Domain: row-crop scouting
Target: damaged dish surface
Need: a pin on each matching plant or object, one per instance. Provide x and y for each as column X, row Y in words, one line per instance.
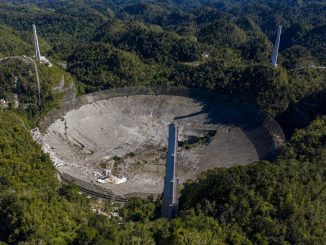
column 120, row 142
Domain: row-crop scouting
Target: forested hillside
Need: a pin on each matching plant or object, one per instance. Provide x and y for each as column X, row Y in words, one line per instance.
column 33, row 206
column 12, row 43
column 264, row 202
column 271, row 203
column 219, row 45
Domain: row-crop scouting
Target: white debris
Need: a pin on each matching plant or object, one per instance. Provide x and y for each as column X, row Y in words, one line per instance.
column 101, row 181
column 45, row 61
column 37, row 136
column 107, row 177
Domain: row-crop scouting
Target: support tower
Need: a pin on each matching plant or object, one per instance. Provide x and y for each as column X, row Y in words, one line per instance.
column 170, row 199
column 276, row 46
column 36, row 45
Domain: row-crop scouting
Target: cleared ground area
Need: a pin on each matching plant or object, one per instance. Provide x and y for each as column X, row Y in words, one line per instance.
column 117, row 140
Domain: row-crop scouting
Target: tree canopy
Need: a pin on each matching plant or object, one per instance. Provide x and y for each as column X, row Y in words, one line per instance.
column 218, row 45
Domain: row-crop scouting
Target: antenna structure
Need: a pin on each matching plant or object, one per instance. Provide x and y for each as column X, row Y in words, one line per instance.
column 36, row 44
column 276, row 46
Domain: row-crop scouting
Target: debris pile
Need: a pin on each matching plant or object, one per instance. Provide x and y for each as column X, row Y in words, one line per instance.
column 37, row 136
column 107, row 177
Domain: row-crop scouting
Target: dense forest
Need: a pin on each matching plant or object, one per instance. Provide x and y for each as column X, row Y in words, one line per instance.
column 265, row 202
column 219, row 45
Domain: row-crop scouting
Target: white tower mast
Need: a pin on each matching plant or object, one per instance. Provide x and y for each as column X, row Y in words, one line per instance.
column 276, row 47
column 36, row 45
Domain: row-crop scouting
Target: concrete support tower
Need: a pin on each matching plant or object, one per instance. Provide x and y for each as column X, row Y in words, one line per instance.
column 170, row 199
column 276, row 47
column 36, row 45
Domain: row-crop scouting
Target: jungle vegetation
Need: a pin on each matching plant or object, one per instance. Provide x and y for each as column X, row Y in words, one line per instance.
column 219, row 45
